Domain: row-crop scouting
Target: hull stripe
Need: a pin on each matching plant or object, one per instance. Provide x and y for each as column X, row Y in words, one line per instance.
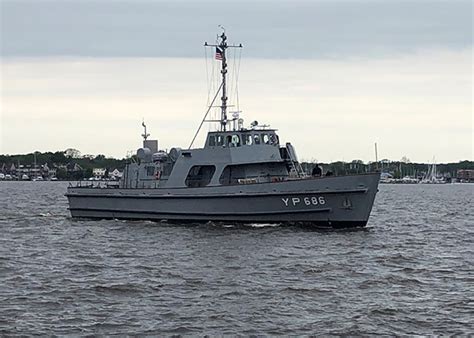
column 260, row 213
column 234, row 195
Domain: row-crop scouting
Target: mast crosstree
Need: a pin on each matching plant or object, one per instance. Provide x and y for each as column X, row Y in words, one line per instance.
column 221, row 55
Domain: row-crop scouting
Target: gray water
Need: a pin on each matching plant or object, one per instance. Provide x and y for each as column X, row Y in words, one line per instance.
column 409, row 272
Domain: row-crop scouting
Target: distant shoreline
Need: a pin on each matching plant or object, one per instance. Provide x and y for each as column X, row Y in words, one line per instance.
column 71, row 165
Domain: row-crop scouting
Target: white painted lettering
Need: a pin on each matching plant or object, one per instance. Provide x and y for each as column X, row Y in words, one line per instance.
column 308, row 201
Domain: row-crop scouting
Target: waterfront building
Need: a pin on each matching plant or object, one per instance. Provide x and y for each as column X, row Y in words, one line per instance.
column 465, row 175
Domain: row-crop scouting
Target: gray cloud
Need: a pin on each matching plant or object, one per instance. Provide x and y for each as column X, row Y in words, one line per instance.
column 282, row 29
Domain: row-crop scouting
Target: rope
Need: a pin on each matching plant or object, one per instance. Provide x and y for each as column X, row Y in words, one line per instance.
column 205, row 115
column 216, row 74
column 233, row 78
column 237, row 80
column 207, row 77
column 213, row 80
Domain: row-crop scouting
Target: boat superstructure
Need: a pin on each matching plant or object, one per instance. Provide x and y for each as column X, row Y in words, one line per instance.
column 241, row 174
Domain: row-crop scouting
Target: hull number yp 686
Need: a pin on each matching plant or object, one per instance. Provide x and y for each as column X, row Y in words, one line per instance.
column 309, row 200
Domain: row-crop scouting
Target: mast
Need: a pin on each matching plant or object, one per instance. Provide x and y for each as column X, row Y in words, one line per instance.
column 221, row 55
column 145, row 134
column 223, row 47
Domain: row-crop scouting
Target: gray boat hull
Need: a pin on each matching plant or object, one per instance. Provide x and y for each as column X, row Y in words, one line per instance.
column 336, row 201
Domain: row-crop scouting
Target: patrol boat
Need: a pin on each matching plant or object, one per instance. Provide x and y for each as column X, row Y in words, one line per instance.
column 241, row 175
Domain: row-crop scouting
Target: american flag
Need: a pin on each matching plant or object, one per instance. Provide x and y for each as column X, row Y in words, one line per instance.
column 218, row 53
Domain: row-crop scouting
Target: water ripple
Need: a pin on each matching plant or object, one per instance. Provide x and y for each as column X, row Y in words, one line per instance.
column 410, row 272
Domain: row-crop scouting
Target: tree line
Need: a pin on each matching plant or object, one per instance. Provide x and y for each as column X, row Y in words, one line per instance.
column 87, row 163
column 398, row 169
column 64, row 162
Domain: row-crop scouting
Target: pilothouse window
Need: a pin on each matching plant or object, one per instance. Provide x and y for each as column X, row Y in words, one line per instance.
column 200, row 175
column 247, row 138
column 212, row 140
column 233, row 140
column 273, row 139
column 219, row 140
column 256, row 139
column 236, row 140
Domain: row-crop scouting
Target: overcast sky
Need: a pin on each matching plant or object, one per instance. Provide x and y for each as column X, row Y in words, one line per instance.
column 269, row 29
column 333, row 76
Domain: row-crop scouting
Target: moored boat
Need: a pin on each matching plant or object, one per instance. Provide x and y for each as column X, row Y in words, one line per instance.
column 431, row 176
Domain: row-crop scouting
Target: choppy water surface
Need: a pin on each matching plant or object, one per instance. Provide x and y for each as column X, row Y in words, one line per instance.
column 409, row 272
